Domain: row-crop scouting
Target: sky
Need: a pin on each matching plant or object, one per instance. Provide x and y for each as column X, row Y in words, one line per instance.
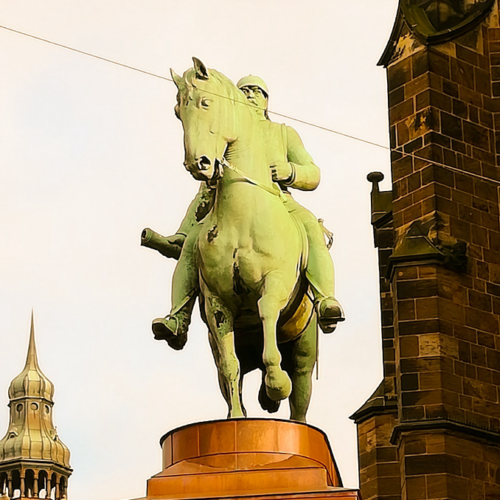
column 91, row 153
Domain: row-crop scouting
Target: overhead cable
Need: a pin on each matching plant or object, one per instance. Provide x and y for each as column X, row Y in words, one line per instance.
column 105, row 59
column 326, row 129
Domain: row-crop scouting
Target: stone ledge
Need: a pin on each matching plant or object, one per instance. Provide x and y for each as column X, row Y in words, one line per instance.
column 447, row 425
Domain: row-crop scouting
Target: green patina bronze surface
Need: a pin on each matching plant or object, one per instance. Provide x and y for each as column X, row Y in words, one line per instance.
column 255, row 257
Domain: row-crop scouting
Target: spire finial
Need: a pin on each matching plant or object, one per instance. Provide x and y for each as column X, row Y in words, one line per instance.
column 31, row 358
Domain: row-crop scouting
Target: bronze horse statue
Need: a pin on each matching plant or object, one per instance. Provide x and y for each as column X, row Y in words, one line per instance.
column 250, row 251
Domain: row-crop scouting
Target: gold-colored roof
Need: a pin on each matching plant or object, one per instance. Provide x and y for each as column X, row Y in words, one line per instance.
column 31, row 434
column 31, row 382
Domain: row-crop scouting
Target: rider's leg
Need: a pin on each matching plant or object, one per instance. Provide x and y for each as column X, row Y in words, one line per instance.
column 320, row 271
column 174, row 327
column 196, row 212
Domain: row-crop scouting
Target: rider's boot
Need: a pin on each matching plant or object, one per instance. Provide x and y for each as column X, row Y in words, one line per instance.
column 173, row 328
column 330, row 312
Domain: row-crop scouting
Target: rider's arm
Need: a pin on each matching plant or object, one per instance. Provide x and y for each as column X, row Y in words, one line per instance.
column 305, row 174
column 198, row 209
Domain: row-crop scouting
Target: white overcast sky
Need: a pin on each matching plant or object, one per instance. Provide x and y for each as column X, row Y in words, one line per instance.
column 91, row 153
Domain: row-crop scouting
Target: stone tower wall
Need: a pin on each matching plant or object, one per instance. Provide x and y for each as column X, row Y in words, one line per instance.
column 439, row 412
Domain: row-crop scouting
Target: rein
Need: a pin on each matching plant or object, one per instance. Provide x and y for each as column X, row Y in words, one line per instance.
column 275, row 190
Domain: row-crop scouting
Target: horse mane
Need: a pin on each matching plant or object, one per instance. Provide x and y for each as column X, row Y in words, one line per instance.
column 227, row 88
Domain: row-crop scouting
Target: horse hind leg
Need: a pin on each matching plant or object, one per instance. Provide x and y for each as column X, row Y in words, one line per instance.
column 240, row 390
column 221, row 331
column 272, row 301
column 300, row 366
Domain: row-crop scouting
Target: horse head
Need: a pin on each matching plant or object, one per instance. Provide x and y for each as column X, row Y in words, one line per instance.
column 206, row 102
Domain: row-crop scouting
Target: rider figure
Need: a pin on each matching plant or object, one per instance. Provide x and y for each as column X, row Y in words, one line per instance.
column 291, row 167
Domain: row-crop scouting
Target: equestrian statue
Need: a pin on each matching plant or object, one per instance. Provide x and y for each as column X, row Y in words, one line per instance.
column 256, row 259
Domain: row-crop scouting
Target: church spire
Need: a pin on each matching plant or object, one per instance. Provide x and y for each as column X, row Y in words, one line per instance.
column 31, row 382
column 32, row 358
column 32, row 457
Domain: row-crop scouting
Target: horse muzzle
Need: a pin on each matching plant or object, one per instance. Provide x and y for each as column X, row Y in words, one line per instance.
column 204, row 169
column 203, row 163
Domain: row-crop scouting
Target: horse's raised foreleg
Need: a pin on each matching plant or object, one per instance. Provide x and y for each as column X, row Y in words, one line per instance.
column 274, row 298
column 220, row 323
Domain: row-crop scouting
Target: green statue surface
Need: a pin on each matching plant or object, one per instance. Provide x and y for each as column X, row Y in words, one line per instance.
column 256, row 259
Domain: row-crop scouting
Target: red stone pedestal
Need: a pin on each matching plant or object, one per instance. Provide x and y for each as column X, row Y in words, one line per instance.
column 248, row 458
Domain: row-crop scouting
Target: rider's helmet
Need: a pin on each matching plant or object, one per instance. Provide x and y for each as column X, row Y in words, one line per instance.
column 253, row 81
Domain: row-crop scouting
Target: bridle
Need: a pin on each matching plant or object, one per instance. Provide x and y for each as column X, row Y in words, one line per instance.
column 219, row 172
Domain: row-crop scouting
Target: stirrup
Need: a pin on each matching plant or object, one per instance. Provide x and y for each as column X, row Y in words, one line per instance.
column 168, row 317
column 176, row 339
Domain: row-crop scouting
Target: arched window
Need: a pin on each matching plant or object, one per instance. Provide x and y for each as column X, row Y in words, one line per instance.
column 42, row 484
column 29, row 483
column 16, row 485
column 53, row 482
column 63, row 488
column 3, row 483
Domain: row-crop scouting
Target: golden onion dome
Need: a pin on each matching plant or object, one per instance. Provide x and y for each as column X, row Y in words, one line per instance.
column 31, row 438
column 31, row 382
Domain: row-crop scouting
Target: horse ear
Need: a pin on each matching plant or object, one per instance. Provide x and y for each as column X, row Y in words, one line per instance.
column 201, row 70
column 176, row 78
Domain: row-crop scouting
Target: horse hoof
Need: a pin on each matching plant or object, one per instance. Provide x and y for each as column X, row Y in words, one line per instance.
column 167, row 329
column 278, row 385
column 266, row 403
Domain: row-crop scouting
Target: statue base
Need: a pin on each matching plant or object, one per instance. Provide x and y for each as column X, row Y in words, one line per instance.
column 248, row 458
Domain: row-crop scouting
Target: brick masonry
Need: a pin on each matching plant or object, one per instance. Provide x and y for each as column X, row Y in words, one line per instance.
column 432, row 428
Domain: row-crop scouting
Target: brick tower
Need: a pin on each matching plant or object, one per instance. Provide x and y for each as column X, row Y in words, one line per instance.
column 431, row 430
